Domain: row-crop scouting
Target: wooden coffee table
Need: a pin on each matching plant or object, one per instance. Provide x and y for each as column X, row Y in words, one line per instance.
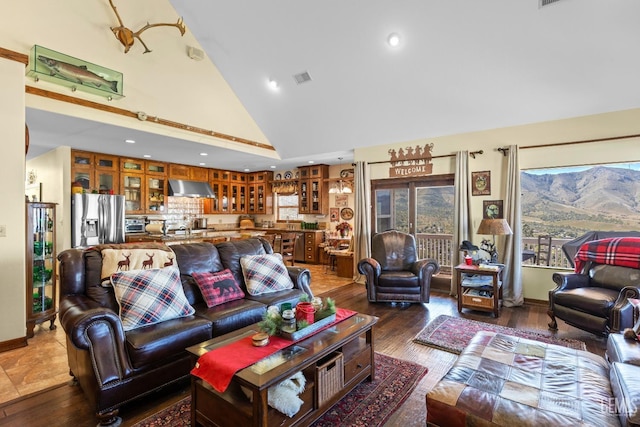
column 334, row 362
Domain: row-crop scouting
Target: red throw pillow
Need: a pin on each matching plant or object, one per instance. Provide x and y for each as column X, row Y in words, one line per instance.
column 218, row 288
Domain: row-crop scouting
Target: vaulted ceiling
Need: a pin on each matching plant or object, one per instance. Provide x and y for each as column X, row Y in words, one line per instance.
column 461, row 66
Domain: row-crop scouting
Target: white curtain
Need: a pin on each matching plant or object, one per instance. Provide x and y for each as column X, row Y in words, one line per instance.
column 362, row 225
column 512, row 275
column 461, row 212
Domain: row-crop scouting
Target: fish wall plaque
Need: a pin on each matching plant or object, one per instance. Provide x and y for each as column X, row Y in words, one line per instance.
column 76, row 74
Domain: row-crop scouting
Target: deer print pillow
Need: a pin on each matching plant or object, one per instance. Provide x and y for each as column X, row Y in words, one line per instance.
column 132, row 259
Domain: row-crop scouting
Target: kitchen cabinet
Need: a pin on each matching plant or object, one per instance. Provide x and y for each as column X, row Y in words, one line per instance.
column 189, row 173
column 132, row 165
column 313, row 194
column 312, row 240
column 41, row 267
column 238, row 195
column 177, row 171
column 199, row 174
column 133, row 187
column 95, row 171
column 156, row 186
column 260, row 200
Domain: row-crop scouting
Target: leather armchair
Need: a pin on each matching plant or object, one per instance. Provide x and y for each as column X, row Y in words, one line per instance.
column 595, row 300
column 393, row 273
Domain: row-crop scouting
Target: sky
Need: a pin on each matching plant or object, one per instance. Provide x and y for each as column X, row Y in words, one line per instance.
column 555, row 171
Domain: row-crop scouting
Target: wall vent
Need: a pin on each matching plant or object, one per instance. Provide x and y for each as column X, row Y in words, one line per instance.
column 542, row 3
column 302, row 77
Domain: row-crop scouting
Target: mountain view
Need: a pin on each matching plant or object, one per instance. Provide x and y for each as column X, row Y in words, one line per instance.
column 566, row 205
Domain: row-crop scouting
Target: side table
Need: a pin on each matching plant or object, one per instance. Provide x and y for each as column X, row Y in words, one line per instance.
column 469, row 297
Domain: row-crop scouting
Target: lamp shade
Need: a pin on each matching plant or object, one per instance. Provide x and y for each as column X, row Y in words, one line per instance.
column 494, row 227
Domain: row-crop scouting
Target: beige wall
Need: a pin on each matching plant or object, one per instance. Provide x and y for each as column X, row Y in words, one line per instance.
column 12, row 214
column 536, row 280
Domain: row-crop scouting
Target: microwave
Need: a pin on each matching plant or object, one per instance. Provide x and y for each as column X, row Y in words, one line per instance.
column 134, row 225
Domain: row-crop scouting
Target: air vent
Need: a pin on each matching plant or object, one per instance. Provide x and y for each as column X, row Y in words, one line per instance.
column 542, row 3
column 302, row 77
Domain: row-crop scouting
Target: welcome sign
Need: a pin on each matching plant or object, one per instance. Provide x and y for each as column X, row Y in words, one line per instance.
column 411, row 161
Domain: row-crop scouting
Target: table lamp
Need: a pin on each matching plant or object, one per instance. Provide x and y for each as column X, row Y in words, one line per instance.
column 493, row 227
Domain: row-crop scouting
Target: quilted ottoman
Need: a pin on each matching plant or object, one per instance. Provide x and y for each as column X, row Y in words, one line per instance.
column 502, row 380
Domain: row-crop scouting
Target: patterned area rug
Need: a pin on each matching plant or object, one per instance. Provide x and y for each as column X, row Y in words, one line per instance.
column 369, row 404
column 452, row 334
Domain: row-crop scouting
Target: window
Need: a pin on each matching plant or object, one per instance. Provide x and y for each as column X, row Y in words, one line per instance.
column 287, row 207
column 567, row 202
column 560, row 204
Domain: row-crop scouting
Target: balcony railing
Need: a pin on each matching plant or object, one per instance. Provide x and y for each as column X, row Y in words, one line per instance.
column 440, row 247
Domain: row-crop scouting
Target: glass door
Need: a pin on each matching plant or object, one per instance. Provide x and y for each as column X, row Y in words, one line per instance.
column 423, row 208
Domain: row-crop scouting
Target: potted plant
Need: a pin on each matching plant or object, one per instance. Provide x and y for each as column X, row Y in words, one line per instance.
column 344, row 228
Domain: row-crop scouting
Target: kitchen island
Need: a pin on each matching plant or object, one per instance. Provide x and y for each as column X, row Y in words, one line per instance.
column 194, row 236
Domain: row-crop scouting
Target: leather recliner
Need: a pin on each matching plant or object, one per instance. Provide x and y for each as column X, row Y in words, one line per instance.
column 596, row 300
column 394, row 273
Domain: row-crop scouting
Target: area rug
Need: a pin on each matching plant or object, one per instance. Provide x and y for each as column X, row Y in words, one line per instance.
column 370, row 404
column 452, row 334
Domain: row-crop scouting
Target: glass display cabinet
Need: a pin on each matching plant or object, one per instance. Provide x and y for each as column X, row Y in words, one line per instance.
column 40, row 274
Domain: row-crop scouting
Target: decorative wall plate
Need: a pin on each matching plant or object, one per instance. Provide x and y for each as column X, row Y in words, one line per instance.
column 288, row 175
column 346, row 213
column 278, row 177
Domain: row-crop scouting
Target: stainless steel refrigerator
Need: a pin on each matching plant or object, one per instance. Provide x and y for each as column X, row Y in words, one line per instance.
column 97, row 219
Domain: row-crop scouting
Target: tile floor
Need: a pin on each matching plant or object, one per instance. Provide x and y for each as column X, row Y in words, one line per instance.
column 43, row 362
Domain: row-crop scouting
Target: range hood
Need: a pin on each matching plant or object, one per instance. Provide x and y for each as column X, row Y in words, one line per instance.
column 178, row 187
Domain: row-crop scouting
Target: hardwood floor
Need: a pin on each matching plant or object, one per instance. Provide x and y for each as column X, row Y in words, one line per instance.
column 65, row 405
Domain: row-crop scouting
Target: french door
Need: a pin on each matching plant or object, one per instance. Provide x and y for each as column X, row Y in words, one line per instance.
column 423, row 205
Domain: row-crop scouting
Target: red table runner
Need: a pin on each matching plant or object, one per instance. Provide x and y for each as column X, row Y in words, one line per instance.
column 218, row 366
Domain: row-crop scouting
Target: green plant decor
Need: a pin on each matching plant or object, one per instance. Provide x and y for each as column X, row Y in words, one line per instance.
column 270, row 323
column 302, row 324
column 328, row 309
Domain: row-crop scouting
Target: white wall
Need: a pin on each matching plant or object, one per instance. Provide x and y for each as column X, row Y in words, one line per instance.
column 12, row 214
column 53, row 171
column 536, row 280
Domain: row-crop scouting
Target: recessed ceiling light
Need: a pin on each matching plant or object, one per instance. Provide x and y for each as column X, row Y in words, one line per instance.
column 272, row 166
column 311, row 162
column 204, row 154
column 393, row 39
column 146, row 156
column 273, row 84
column 202, row 163
column 247, row 170
column 129, row 141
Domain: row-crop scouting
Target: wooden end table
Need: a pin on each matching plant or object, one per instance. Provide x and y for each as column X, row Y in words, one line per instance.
column 349, row 342
column 467, row 298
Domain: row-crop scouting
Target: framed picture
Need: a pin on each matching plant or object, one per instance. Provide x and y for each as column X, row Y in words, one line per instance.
column 481, row 183
column 492, row 209
column 334, row 214
column 33, row 192
column 342, row 200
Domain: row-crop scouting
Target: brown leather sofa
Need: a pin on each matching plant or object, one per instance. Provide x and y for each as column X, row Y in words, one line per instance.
column 114, row 367
column 394, row 273
column 595, row 300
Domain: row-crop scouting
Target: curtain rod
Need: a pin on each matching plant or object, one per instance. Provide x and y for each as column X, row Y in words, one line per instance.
column 584, row 141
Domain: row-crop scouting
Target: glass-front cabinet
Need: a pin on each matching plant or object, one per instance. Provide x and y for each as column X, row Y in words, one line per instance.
column 313, row 194
column 41, row 268
column 95, row 172
column 156, row 190
column 132, row 187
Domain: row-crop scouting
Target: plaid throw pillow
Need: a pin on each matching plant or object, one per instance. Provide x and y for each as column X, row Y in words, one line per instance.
column 150, row 296
column 265, row 273
column 218, row 288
